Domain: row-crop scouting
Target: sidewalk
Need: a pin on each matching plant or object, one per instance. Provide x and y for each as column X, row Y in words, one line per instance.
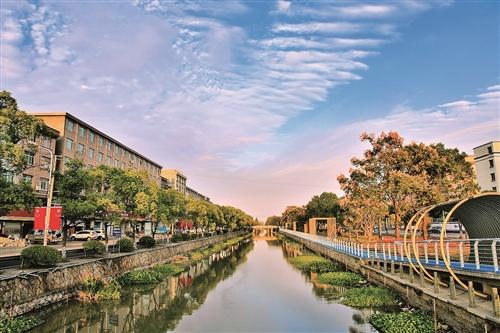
column 73, row 245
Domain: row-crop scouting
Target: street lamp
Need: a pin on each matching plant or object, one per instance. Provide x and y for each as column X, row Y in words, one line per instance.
column 49, row 193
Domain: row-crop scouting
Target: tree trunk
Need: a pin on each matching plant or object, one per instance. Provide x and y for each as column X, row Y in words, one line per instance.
column 396, row 226
column 106, row 238
column 424, row 227
column 379, row 229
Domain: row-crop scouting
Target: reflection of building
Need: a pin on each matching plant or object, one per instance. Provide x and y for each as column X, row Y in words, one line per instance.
column 192, row 193
column 176, row 178
column 79, row 139
column 18, row 223
column 487, row 163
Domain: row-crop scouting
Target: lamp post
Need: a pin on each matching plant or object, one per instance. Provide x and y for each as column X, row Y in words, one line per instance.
column 49, row 192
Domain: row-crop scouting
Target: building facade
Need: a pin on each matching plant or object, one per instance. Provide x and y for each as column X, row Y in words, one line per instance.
column 194, row 194
column 80, row 140
column 176, row 178
column 18, row 223
column 487, row 165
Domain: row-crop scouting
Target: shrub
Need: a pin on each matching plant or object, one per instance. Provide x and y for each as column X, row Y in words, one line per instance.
column 40, row 256
column 369, row 297
column 94, row 247
column 18, row 324
column 176, row 238
column 403, row 322
column 186, row 236
column 110, row 291
column 147, row 242
column 311, row 263
column 140, row 276
column 168, row 269
column 340, row 278
column 125, row 245
column 95, row 290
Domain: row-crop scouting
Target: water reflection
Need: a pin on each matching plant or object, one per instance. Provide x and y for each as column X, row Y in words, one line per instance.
column 156, row 309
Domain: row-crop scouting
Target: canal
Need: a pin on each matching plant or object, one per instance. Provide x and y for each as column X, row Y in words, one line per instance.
column 252, row 288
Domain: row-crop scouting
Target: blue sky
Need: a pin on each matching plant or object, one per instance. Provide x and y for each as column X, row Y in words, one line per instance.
column 260, row 103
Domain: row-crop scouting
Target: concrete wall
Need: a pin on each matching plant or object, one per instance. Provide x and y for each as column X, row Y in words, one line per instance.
column 28, row 292
column 461, row 318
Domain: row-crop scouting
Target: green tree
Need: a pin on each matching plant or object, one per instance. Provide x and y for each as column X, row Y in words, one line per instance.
column 74, row 194
column 273, row 220
column 293, row 214
column 174, row 206
column 17, row 130
column 324, row 205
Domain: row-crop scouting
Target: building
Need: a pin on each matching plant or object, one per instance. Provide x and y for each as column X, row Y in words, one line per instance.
column 18, row 223
column 176, row 178
column 487, row 164
column 80, row 140
column 192, row 193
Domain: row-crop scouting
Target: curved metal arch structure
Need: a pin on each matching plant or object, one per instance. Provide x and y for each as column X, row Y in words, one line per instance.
column 480, row 216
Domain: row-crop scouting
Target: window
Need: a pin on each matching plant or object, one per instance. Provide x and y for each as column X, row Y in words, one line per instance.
column 81, row 148
column 123, row 152
column 494, row 188
column 109, row 161
column 109, row 145
column 123, row 165
column 100, row 157
column 117, row 163
column 66, row 160
column 45, row 142
column 70, row 126
column 491, row 163
column 91, row 153
column 81, row 132
column 9, row 177
column 490, row 150
column 492, row 177
column 30, row 157
column 69, row 144
column 101, row 142
column 44, row 184
column 91, row 136
column 116, row 150
column 28, row 179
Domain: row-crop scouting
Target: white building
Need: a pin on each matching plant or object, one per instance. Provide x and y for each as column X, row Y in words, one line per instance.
column 487, row 161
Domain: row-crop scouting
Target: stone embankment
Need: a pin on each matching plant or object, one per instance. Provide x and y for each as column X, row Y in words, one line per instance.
column 26, row 292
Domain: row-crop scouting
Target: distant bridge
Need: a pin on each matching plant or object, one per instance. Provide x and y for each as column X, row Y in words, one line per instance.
column 264, row 230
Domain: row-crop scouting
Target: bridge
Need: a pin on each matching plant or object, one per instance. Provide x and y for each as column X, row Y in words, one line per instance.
column 264, row 230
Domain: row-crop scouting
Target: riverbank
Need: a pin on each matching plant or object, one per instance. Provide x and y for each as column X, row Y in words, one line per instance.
column 454, row 313
column 29, row 291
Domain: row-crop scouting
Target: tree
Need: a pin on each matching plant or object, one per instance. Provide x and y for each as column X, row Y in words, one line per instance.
column 273, row 220
column 293, row 214
column 403, row 178
column 174, row 206
column 324, row 205
column 73, row 190
column 17, row 129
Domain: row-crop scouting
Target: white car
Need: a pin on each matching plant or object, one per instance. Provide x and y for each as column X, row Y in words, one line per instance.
column 99, row 235
column 83, row 235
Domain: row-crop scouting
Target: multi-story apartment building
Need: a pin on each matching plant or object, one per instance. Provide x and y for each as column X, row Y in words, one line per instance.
column 79, row 139
column 18, row 223
column 197, row 195
column 176, row 178
column 487, row 164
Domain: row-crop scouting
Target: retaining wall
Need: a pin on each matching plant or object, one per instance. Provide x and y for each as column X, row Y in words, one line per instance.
column 29, row 291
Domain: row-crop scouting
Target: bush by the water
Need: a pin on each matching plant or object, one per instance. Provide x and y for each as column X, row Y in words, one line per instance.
column 94, row 247
column 96, row 290
column 40, row 256
column 147, row 242
column 312, row 263
column 340, row 278
column 109, row 291
column 125, row 245
column 176, row 238
column 369, row 297
column 149, row 275
column 403, row 322
column 18, row 324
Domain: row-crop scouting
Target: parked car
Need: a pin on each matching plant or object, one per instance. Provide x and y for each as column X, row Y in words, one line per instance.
column 99, row 235
column 36, row 236
column 83, row 235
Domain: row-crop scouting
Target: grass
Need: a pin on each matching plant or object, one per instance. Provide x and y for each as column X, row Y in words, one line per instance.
column 149, row 275
column 18, row 324
column 313, row 263
column 347, row 279
column 369, row 297
column 403, row 322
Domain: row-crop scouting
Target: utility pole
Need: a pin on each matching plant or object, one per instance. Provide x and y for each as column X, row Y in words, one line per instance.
column 49, row 197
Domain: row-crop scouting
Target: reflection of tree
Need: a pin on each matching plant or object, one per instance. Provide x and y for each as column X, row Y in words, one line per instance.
column 151, row 309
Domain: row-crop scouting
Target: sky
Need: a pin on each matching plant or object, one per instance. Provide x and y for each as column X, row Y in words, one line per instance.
column 260, row 103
